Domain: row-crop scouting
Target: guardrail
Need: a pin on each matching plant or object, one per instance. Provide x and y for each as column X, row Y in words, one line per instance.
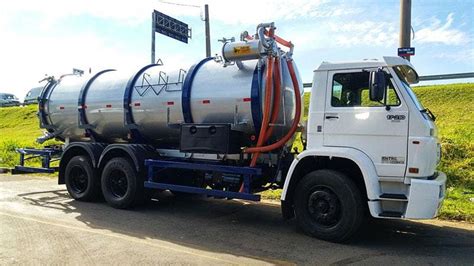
column 448, row 76
column 429, row 77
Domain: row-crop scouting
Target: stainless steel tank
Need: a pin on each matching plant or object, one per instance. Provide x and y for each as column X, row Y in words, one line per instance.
column 153, row 102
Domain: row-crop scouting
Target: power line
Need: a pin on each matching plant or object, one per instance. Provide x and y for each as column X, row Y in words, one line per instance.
column 177, row 4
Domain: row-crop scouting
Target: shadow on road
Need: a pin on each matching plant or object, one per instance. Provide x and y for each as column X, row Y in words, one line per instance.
column 258, row 231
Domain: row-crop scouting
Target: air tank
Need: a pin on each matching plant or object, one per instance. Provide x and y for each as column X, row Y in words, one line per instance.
column 150, row 104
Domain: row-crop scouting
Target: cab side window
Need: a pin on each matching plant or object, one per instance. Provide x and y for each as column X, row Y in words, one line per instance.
column 352, row 90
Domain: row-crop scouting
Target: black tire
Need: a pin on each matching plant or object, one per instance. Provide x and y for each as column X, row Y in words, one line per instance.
column 82, row 181
column 328, row 206
column 122, row 186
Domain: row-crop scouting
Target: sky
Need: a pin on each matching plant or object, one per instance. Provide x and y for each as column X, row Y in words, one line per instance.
column 53, row 36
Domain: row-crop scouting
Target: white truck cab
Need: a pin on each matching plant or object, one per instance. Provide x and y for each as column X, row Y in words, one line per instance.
column 388, row 146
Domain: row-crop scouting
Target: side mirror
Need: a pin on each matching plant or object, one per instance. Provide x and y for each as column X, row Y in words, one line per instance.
column 377, row 85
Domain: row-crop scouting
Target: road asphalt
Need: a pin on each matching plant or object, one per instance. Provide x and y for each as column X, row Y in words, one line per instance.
column 41, row 224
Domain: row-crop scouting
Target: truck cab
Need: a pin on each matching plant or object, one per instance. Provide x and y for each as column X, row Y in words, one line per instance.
column 386, row 146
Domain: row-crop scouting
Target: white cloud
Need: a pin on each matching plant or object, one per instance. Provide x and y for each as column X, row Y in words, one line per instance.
column 439, row 33
column 236, row 12
column 248, row 12
column 460, row 56
column 366, row 33
column 26, row 59
column 345, row 34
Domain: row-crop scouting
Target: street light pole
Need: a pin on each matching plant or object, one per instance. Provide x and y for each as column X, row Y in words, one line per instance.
column 208, row 34
column 405, row 25
column 153, row 37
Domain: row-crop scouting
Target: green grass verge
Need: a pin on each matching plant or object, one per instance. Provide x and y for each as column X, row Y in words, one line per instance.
column 19, row 127
column 453, row 105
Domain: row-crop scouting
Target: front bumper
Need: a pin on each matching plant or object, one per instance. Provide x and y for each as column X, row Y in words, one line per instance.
column 426, row 197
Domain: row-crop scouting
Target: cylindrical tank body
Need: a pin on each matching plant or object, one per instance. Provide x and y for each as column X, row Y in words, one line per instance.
column 156, row 100
column 104, row 105
column 61, row 107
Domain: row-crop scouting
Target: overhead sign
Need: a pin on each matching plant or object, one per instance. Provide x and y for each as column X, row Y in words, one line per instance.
column 171, row 27
column 406, row 51
column 77, row 72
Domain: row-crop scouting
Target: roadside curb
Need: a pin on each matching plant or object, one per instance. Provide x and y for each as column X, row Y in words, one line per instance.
column 5, row 170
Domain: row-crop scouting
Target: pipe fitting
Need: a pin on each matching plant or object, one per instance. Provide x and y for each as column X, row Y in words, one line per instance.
column 261, row 34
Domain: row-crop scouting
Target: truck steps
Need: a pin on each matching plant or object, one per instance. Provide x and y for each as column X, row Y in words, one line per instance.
column 391, row 214
column 395, row 197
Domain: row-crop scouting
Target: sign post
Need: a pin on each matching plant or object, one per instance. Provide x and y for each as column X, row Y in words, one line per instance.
column 170, row 27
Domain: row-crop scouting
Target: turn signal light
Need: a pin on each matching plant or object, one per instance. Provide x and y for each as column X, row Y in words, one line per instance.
column 413, row 170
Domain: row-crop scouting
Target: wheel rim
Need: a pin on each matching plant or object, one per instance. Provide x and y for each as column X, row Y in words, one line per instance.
column 118, row 183
column 79, row 180
column 324, row 207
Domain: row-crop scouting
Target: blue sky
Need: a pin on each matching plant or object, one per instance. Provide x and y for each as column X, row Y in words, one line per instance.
column 53, row 36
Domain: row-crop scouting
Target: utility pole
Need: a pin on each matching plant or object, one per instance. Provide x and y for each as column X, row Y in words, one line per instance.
column 405, row 25
column 153, row 37
column 208, row 34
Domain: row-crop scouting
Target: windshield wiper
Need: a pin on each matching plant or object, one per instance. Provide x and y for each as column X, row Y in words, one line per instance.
column 429, row 113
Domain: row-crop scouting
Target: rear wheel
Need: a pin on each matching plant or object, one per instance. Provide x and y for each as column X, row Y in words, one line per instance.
column 82, row 181
column 122, row 186
column 328, row 205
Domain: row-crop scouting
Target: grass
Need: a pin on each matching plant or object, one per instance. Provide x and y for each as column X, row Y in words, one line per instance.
column 453, row 105
column 19, row 127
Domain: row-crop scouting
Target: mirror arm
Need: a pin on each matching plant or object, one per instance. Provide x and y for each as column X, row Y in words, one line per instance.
column 385, row 95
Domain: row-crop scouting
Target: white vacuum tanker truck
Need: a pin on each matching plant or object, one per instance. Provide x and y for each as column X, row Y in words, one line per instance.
column 225, row 128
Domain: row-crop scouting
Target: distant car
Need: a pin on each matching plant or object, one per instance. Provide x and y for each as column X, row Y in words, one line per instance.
column 7, row 99
column 32, row 96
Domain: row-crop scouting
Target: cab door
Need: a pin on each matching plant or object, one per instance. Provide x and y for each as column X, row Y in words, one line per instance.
column 378, row 129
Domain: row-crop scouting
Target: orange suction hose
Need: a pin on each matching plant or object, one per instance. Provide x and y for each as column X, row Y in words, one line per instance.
column 266, row 109
column 294, row 126
column 276, row 99
column 280, row 40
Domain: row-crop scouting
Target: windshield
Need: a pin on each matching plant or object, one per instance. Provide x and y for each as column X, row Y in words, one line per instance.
column 35, row 92
column 9, row 97
column 408, row 88
column 413, row 96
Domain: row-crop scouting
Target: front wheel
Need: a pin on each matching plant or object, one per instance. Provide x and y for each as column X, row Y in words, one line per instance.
column 328, row 205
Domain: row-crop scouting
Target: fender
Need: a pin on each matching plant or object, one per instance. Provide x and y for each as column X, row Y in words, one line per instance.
column 361, row 159
column 136, row 152
column 93, row 150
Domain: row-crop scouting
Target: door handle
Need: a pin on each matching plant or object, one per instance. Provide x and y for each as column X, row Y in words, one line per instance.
column 332, row 117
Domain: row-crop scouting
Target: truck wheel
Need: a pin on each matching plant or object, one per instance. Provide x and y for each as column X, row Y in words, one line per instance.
column 328, row 205
column 122, row 186
column 81, row 180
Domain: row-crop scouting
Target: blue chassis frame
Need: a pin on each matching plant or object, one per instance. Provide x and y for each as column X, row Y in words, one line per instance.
column 247, row 172
column 47, row 155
